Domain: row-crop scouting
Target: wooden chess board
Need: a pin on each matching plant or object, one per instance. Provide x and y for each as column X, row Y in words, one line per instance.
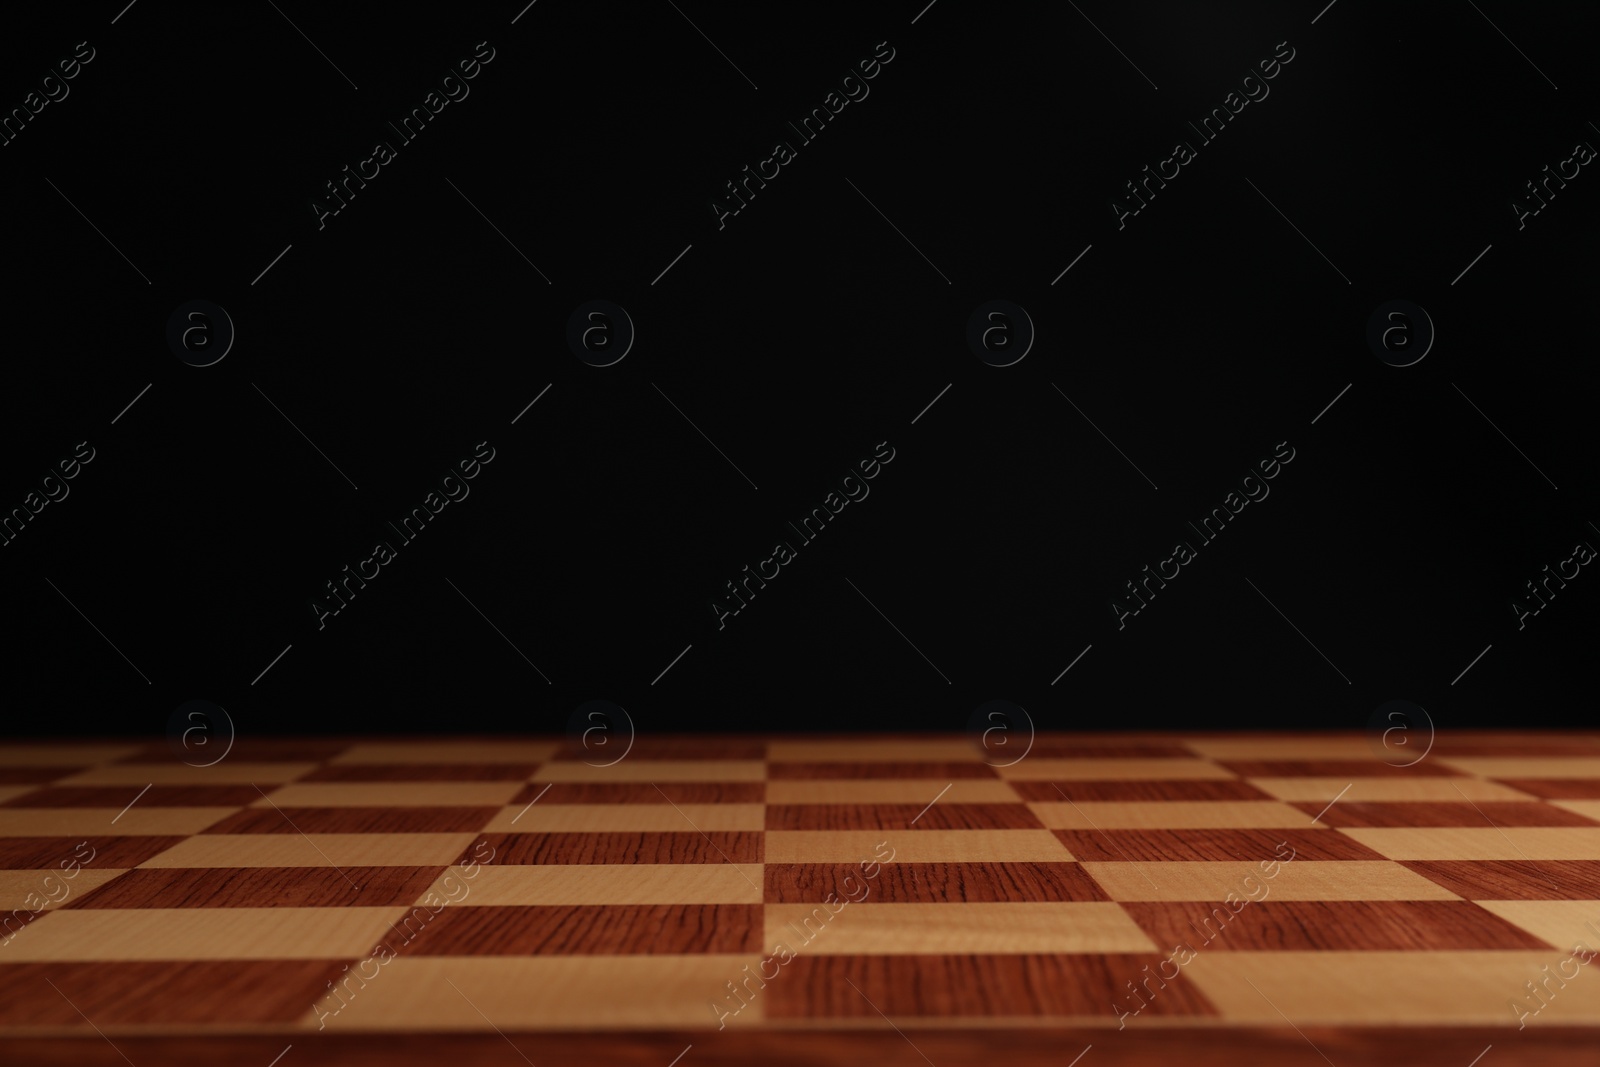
column 894, row 900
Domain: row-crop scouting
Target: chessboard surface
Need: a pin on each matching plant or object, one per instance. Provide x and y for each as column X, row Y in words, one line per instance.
column 801, row 899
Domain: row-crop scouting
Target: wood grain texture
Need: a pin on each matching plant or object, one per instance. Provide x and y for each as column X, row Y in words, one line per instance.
column 251, row 749
column 931, row 883
column 645, row 747
column 715, row 846
column 261, row 887
column 881, row 769
column 588, row 929
column 642, row 793
column 910, row 987
column 1137, row 790
column 1557, row 788
column 33, row 853
column 908, row 817
column 880, row 1046
column 1331, row 768
column 1445, row 813
column 1267, row 925
column 421, row 772
column 1098, row 749
column 194, row 992
column 1407, row 903
column 116, row 797
column 1211, row 844
column 1514, row 879
column 363, row 820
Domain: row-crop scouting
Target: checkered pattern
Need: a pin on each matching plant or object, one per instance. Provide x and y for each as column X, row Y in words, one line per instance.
column 630, row 897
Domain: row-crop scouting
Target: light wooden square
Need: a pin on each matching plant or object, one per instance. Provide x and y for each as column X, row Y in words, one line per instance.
column 314, row 850
column 957, row 929
column 650, row 883
column 1296, row 880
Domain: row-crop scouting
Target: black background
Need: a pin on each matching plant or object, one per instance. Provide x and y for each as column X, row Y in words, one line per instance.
column 797, row 338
